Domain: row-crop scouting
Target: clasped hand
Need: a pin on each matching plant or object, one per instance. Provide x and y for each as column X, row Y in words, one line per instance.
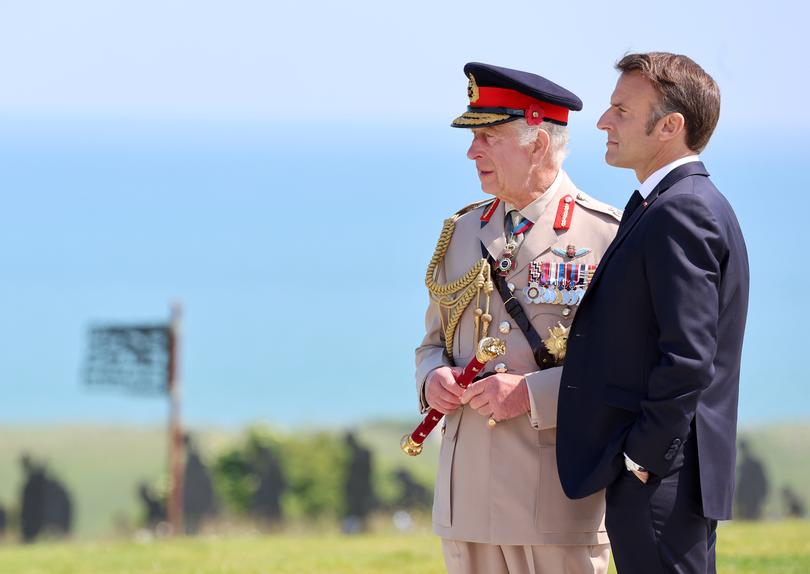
column 501, row 396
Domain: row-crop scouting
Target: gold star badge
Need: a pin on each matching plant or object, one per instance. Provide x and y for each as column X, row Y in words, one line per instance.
column 557, row 342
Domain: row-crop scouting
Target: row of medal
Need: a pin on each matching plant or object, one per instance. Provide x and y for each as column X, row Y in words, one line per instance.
column 558, row 283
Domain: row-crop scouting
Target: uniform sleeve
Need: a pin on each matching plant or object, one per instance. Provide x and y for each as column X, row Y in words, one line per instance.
column 682, row 261
column 544, row 388
column 430, row 354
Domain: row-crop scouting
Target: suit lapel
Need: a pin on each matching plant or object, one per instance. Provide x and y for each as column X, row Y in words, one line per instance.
column 677, row 174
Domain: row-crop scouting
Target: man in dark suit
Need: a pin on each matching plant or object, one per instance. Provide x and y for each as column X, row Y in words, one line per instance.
column 648, row 398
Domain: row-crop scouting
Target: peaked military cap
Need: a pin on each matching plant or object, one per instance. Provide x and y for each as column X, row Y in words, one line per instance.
column 499, row 95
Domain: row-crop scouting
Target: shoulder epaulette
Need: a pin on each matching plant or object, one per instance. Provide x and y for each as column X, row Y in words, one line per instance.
column 471, row 207
column 589, row 202
column 454, row 297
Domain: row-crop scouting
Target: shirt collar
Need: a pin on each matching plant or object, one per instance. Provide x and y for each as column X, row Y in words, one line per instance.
column 535, row 209
column 649, row 184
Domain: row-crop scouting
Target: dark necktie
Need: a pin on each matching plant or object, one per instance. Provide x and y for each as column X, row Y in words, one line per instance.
column 632, row 204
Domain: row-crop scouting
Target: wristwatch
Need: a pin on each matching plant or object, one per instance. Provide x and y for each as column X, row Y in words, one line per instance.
column 632, row 466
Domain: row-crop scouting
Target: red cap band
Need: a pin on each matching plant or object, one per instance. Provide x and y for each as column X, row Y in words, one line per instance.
column 489, row 97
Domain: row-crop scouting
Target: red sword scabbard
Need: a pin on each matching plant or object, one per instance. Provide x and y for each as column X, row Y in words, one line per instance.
column 488, row 349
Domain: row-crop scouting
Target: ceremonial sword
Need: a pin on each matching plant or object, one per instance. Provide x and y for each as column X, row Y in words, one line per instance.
column 488, row 348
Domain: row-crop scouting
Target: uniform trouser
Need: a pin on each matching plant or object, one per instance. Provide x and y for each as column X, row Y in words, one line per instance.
column 659, row 527
column 475, row 558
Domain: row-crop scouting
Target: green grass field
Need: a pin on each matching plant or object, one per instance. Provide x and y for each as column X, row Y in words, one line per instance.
column 760, row 548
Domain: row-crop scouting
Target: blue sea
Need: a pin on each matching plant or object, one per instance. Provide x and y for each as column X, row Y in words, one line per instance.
column 298, row 253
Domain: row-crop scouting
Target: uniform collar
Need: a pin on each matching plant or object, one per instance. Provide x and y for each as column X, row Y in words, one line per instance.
column 649, row 184
column 540, row 239
column 536, row 208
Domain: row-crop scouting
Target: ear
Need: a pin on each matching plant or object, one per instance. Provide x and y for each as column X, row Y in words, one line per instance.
column 672, row 126
column 540, row 145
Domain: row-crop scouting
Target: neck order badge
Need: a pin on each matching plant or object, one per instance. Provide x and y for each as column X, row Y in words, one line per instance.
column 516, row 227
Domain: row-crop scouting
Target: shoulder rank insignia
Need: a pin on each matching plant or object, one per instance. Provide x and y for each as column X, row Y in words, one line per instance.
column 565, row 212
column 571, row 252
column 587, row 201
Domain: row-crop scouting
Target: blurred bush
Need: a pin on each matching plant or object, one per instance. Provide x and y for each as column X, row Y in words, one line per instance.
column 307, row 475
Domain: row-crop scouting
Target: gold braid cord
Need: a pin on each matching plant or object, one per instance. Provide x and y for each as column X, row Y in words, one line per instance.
column 453, row 298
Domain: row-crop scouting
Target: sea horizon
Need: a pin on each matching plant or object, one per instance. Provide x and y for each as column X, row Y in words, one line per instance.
column 299, row 252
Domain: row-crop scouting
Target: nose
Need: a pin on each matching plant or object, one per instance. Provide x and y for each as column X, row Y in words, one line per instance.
column 474, row 151
column 603, row 122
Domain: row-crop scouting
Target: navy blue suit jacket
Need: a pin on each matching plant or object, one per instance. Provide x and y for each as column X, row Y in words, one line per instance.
column 654, row 350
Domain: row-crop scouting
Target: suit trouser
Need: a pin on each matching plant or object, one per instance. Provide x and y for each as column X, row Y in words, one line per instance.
column 659, row 527
column 475, row 558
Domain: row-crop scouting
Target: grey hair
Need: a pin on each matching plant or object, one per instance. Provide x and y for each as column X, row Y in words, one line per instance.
column 557, row 134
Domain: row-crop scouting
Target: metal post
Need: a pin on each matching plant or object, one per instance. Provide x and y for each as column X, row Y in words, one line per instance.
column 176, row 444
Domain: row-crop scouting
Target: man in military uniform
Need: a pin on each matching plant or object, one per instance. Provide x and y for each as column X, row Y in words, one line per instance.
column 516, row 268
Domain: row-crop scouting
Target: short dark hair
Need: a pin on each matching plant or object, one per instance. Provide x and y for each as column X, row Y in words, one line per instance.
column 684, row 87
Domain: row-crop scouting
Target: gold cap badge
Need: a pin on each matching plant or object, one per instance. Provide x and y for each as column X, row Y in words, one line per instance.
column 472, row 89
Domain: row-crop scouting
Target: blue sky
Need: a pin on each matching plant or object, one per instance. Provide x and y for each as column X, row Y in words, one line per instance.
column 334, row 63
column 153, row 150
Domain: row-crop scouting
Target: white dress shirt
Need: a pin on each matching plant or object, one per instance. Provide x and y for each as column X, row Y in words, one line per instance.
column 655, row 178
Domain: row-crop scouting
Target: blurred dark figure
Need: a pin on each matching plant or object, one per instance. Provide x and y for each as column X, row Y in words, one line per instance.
column 45, row 505
column 199, row 502
column 154, row 509
column 58, row 516
column 359, row 493
column 32, row 503
column 3, row 522
column 412, row 495
column 793, row 503
column 752, row 485
column 266, row 504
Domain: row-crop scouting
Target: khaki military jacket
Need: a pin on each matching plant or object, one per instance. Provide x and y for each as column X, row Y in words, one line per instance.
column 500, row 485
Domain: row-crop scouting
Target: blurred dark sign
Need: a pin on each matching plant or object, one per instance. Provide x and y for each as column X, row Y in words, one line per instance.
column 135, row 358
